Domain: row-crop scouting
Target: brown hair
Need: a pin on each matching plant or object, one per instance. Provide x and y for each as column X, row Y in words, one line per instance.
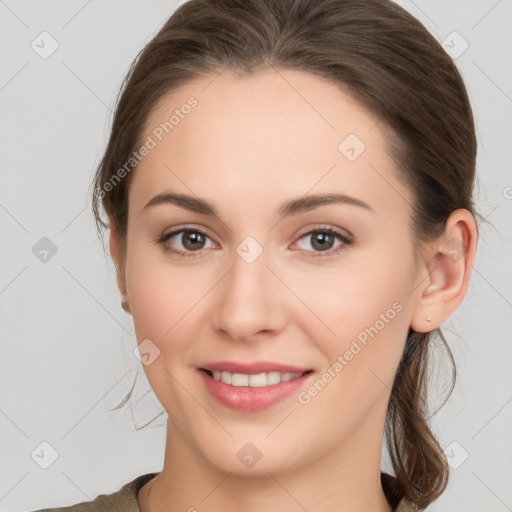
column 388, row 61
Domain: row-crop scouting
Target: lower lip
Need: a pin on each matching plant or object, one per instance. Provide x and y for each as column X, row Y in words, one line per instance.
column 246, row 398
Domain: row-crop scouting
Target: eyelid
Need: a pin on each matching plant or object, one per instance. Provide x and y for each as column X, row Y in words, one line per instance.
column 187, row 227
column 346, row 239
column 163, row 239
column 327, row 227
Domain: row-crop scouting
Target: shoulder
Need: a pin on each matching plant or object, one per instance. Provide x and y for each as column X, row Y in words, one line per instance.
column 123, row 500
column 394, row 494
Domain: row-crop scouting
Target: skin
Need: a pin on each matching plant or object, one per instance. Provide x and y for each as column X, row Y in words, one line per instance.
column 251, row 144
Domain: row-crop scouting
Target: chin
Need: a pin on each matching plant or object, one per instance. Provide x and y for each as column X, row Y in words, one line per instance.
column 248, row 460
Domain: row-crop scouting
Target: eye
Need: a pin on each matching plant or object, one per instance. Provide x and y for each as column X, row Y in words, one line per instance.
column 187, row 241
column 322, row 240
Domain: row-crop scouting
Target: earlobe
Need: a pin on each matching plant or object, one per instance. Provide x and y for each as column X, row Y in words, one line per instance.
column 449, row 269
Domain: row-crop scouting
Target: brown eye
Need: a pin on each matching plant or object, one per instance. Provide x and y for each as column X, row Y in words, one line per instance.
column 186, row 241
column 192, row 240
column 324, row 241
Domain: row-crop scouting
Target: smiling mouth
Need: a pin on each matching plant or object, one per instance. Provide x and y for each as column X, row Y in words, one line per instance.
column 253, row 380
column 247, row 388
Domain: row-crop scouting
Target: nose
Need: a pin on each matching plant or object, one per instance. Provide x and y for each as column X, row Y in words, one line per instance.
column 249, row 302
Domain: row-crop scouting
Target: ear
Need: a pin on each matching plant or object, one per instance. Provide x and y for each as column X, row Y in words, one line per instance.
column 449, row 265
column 115, row 252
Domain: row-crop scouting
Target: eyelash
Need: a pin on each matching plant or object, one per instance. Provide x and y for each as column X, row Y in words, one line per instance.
column 186, row 254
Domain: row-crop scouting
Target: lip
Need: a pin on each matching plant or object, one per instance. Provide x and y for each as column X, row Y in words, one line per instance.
column 253, row 367
column 249, row 399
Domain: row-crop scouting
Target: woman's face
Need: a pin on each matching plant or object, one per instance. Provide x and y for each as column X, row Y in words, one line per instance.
column 260, row 279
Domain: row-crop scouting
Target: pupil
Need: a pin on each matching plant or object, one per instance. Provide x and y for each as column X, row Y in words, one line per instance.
column 323, row 239
column 191, row 238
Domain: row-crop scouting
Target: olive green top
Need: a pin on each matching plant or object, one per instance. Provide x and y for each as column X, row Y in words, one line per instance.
column 125, row 500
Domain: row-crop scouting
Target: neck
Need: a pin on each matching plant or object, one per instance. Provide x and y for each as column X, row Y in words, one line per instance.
column 345, row 479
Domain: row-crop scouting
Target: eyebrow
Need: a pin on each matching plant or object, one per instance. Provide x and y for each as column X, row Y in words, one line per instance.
column 291, row 207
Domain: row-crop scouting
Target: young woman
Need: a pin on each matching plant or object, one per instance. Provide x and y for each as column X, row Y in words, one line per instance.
column 288, row 189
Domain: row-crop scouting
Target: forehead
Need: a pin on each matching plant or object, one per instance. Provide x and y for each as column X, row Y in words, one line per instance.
column 274, row 132
column 263, row 103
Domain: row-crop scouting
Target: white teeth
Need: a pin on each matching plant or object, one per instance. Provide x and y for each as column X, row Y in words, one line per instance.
column 239, row 379
column 275, row 377
column 259, row 380
column 256, row 380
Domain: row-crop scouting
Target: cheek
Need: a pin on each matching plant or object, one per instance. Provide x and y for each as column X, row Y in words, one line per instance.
column 162, row 302
column 169, row 306
column 367, row 290
column 360, row 324
column 160, row 293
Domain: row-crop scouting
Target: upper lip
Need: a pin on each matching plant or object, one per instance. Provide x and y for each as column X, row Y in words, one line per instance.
column 253, row 368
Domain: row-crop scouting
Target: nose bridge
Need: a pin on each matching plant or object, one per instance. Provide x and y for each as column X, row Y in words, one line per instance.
column 248, row 301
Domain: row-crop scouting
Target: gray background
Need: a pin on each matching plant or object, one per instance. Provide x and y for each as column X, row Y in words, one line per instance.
column 66, row 344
